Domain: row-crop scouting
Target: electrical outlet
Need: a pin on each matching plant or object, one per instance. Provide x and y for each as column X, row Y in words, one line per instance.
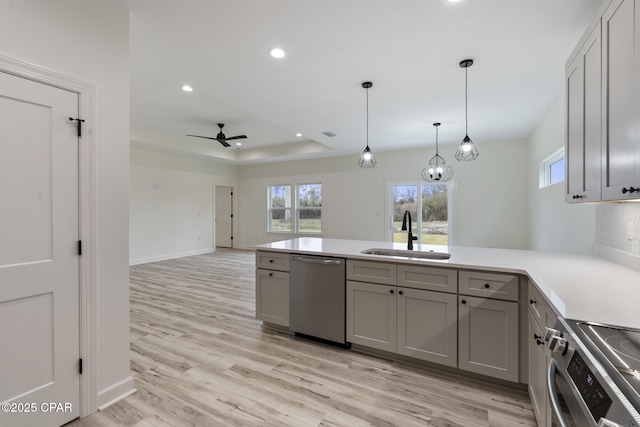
column 630, row 235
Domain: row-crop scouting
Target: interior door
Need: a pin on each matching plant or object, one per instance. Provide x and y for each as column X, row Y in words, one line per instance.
column 224, row 217
column 39, row 277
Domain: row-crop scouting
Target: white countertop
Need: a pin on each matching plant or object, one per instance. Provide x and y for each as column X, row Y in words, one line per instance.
column 580, row 287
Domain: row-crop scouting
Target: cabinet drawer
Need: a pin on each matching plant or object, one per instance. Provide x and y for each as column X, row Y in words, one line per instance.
column 488, row 285
column 373, row 272
column 428, row 278
column 272, row 260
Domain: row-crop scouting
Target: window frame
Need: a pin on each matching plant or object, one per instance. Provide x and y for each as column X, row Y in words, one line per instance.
column 294, row 210
column 545, row 168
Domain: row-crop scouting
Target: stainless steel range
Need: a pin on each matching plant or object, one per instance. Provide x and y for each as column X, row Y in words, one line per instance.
column 594, row 374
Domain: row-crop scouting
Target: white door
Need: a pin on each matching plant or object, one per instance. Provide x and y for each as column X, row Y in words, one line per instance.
column 224, row 217
column 39, row 277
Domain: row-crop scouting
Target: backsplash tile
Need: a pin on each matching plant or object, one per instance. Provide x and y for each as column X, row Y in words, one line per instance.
column 611, row 226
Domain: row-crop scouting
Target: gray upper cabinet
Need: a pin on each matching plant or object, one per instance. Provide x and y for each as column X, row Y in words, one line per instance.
column 621, row 80
column 584, row 121
column 602, row 85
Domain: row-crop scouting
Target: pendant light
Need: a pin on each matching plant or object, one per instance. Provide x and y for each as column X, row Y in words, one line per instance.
column 437, row 171
column 366, row 159
column 466, row 151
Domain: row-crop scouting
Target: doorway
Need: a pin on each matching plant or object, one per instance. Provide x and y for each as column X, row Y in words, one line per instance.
column 224, row 217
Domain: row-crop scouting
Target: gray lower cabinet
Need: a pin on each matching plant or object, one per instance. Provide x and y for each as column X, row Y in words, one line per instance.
column 541, row 315
column 272, row 296
column 412, row 322
column 427, row 325
column 371, row 315
column 488, row 337
column 538, row 357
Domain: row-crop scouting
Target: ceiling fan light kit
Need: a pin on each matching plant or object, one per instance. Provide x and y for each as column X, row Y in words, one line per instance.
column 367, row 160
column 437, row 171
column 467, row 151
column 221, row 138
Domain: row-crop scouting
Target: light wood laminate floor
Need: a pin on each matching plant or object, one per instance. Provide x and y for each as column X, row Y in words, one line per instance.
column 200, row 358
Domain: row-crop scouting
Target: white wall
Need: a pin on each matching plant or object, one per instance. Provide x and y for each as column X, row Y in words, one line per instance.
column 172, row 204
column 555, row 226
column 88, row 40
column 490, row 194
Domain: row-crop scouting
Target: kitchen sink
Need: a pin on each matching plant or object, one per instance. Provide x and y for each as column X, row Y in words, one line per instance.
column 407, row 253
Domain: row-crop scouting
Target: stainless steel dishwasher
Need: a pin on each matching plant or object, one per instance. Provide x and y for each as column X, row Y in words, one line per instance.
column 317, row 307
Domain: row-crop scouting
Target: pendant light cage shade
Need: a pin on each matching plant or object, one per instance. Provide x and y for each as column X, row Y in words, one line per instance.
column 467, row 151
column 437, row 171
column 367, row 159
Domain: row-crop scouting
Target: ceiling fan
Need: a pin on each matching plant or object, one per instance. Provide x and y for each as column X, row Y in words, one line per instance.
column 220, row 137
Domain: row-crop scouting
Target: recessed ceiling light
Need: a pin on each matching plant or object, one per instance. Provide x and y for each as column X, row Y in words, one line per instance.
column 298, row 135
column 277, row 53
column 187, row 88
column 238, row 144
column 452, row 1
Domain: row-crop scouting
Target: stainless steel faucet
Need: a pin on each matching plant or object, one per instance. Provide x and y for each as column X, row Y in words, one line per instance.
column 410, row 236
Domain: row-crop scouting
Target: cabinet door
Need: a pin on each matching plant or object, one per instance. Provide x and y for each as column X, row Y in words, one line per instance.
column 584, row 121
column 488, row 337
column 272, row 296
column 427, row 325
column 371, row 315
column 537, row 371
column 620, row 102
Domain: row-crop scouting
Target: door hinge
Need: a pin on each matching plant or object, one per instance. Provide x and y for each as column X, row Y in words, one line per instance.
column 79, row 124
column 80, row 366
column 79, row 247
column 231, row 237
column 231, row 215
column 232, row 193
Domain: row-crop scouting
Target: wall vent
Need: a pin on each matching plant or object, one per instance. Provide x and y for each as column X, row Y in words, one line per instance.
column 329, row 134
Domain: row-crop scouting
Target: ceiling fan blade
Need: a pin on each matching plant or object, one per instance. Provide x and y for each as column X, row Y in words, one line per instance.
column 198, row 136
column 237, row 137
column 223, row 142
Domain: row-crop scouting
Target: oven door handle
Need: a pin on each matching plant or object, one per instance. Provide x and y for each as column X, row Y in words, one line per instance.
column 553, row 392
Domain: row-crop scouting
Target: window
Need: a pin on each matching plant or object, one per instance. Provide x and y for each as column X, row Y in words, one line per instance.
column 280, row 208
column 302, row 215
column 309, row 208
column 432, row 201
column 552, row 169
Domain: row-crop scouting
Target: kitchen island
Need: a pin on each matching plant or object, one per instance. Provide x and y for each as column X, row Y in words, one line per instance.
column 481, row 311
column 578, row 286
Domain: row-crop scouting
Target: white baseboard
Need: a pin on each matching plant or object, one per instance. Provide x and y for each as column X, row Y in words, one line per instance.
column 115, row 393
column 170, row 256
column 617, row 256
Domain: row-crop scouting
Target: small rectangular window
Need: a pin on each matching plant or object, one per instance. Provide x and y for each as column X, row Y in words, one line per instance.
column 552, row 169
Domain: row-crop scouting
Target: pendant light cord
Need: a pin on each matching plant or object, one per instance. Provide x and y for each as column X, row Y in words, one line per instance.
column 466, row 102
column 436, row 140
column 367, row 89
